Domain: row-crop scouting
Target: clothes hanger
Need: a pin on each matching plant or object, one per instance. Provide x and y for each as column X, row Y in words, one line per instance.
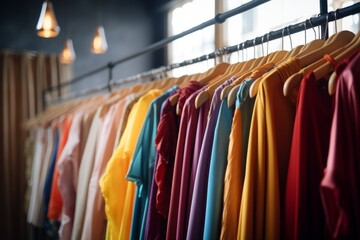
column 226, row 90
column 271, row 59
column 280, row 57
column 328, row 67
column 333, row 78
column 295, row 79
column 203, row 96
column 340, row 39
column 209, row 75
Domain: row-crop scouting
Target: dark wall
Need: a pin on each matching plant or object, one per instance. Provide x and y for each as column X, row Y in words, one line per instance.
column 129, row 25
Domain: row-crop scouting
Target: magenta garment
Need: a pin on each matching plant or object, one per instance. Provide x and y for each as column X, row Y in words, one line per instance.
column 190, row 162
column 197, row 209
column 68, row 167
column 340, row 185
column 155, row 226
column 166, row 142
column 188, row 120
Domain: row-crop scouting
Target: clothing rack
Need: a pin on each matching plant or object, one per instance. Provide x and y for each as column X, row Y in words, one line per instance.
column 322, row 20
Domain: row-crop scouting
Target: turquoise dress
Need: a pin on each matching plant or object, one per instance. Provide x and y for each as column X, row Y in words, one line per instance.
column 218, row 163
column 142, row 165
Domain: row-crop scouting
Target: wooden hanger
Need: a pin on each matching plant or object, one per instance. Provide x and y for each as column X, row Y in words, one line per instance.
column 209, row 75
column 203, row 96
column 233, row 91
column 295, row 80
column 340, row 39
column 274, row 57
column 327, row 68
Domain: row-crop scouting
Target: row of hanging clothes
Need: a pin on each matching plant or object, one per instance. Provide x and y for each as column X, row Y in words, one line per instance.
column 260, row 149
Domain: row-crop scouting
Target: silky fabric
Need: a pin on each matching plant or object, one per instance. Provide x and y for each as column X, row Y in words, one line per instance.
column 167, row 151
column 192, row 149
column 131, row 99
column 218, row 163
column 233, row 180
column 29, row 149
column 68, row 166
column 117, row 192
column 246, row 104
column 50, row 143
column 95, row 219
column 126, row 219
column 165, row 143
column 142, row 165
column 340, row 184
column 185, row 120
column 235, row 170
column 50, row 172
column 55, row 203
column 262, row 202
column 39, row 153
column 304, row 216
column 197, row 210
column 85, row 169
column 154, row 221
column 86, row 122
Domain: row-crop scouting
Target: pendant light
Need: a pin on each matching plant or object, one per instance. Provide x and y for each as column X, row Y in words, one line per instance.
column 67, row 55
column 99, row 44
column 47, row 26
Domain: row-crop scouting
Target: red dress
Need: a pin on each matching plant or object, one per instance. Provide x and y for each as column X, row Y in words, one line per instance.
column 304, row 216
column 340, row 187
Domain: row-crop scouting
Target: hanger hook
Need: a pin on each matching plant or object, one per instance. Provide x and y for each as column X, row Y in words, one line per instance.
column 254, row 46
column 288, row 29
column 238, row 51
column 312, row 26
column 326, row 26
column 227, row 54
column 335, row 16
column 267, row 47
column 305, row 31
column 282, row 39
column 242, row 51
column 262, row 45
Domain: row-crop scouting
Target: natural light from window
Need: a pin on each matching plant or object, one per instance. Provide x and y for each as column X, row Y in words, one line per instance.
column 196, row 44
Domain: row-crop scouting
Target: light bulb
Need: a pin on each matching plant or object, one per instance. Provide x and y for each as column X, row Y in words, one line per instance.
column 67, row 55
column 99, row 44
column 47, row 26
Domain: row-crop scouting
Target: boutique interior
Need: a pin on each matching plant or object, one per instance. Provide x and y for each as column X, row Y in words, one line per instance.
column 180, row 119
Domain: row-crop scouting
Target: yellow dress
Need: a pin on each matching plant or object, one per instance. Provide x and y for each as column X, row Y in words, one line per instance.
column 234, row 176
column 233, row 180
column 267, row 157
column 118, row 193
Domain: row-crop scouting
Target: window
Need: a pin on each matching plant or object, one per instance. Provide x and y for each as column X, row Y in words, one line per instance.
column 196, row 44
column 256, row 22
